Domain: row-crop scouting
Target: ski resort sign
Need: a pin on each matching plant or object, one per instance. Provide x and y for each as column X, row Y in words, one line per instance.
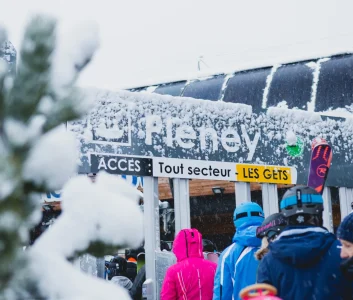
column 156, row 126
column 266, row 174
column 121, row 165
column 194, row 169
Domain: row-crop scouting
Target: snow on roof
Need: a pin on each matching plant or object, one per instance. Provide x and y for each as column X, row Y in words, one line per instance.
column 245, row 66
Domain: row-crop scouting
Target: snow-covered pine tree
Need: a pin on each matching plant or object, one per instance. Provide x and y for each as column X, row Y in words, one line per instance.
column 37, row 154
column 8, row 53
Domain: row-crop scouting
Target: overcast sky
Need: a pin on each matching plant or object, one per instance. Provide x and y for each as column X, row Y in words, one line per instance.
column 150, row 41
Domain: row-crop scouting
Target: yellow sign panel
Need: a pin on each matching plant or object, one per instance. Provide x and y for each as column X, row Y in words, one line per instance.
column 266, row 174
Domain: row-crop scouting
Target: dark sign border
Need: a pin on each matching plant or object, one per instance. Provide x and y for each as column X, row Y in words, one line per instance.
column 124, row 165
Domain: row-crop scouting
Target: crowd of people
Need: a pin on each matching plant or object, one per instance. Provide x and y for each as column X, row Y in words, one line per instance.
column 128, row 270
column 290, row 251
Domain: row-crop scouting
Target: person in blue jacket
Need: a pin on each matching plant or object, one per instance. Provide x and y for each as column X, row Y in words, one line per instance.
column 237, row 265
column 304, row 260
column 345, row 235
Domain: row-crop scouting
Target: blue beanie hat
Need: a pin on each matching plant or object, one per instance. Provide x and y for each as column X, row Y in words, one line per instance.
column 345, row 230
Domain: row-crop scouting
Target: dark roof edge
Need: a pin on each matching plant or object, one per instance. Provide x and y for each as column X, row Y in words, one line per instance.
column 204, row 75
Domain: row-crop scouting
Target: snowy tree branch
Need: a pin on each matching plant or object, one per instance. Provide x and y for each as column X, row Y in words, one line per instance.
column 33, row 74
column 3, row 72
column 67, row 109
column 3, row 35
column 37, row 154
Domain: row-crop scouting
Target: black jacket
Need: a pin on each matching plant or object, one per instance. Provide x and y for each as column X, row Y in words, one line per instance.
column 136, row 290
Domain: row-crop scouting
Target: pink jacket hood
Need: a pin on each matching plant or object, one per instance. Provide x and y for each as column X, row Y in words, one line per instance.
column 192, row 277
column 188, row 243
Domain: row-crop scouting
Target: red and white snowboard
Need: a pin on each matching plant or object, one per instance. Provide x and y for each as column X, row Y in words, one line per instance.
column 320, row 162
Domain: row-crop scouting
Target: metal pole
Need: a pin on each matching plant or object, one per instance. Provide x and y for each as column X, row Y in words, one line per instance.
column 349, row 200
column 151, row 227
column 327, row 215
column 343, row 202
column 100, row 267
column 181, row 204
column 242, row 192
column 269, row 199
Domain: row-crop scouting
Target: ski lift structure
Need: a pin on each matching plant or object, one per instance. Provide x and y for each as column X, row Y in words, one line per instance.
column 231, row 141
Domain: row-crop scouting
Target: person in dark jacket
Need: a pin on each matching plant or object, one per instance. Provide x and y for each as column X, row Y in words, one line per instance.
column 210, row 250
column 304, row 260
column 270, row 228
column 131, row 263
column 116, row 267
column 345, row 235
column 136, row 290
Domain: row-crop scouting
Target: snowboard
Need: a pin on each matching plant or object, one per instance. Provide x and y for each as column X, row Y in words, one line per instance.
column 320, row 161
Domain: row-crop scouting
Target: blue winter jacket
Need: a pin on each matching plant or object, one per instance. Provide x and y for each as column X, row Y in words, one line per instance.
column 303, row 263
column 237, row 265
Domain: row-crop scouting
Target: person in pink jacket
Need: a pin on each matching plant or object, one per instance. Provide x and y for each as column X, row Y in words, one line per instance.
column 192, row 276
